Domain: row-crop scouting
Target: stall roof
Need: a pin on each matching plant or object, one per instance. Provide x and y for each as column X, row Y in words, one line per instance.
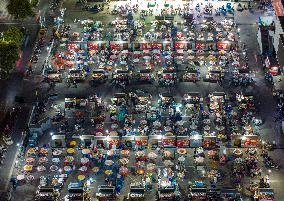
column 98, row 71
column 191, row 71
column 166, row 190
column 52, row 72
column 195, row 189
column 76, row 190
column 192, row 94
column 219, row 94
column 121, row 71
column 166, row 94
column 75, row 71
column 270, row 190
column 169, row 71
column 46, row 189
column 106, row 189
column 145, row 71
column 137, row 189
column 215, row 71
column 119, row 95
column 245, row 71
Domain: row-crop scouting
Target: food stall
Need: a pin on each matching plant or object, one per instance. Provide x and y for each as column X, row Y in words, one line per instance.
column 209, row 141
column 249, row 140
column 75, row 102
column 99, row 75
column 197, row 194
column 58, row 141
column 45, row 193
column 191, row 98
column 169, row 141
column 166, row 193
column 214, row 75
column 144, row 101
column 145, row 75
column 141, row 141
column 87, row 140
column 136, row 192
column 229, row 194
column 118, row 99
column 121, row 75
column 75, row 192
column 167, row 77
column 128, row 141
column 166, row 99
column 106, row 193
column 54, row 76
column 196, row 141
column 183, row 141
column 155, row 141
column 190, row 76
column 100, row 141
column 77, row 75
column 265, row 194
column 217, row 100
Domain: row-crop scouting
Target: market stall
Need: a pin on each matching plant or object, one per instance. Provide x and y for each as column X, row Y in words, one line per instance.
column 75, row 192
column 46, row 193
column 190, row 76
column 77, row 75
column 145, row 75
column 54, row 76
column 106, row 193
column 229, row 194
column 99, row 75
column 265, row 194
column 136, row 192
column 197, row 194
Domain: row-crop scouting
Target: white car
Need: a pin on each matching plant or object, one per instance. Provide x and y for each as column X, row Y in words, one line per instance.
column 8, row 140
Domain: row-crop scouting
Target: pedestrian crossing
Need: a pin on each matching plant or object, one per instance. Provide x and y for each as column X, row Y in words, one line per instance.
column 4, row 15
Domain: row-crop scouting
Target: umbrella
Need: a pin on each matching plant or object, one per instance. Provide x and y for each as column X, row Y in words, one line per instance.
column 41, row 168
column 113, row 133
column 167, row 153
column 123, row 170
column 108, row 162
column 20, row 177
column 86, row 151
column 199, row 159
column 53, row 168
column 181, row 159
column 81, row 177
column 181, row 151
column 168, row 163
column 70, row 150
column 152, row 155
column 28, row 168
column 151, row 167
column 169, row 134
column 108, row 172
column 194, row 133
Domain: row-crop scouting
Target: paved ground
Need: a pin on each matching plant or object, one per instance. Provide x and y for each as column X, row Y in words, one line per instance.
column 261, row 89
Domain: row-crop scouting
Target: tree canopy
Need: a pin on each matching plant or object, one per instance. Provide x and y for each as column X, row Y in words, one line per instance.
column 14, row 34
column 9, row 54
column 20, row 9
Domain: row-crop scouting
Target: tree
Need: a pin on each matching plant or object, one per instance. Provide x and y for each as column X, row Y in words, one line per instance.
column 20, row 9
column 8, row 55
column 14, row 34
column 34, row 3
